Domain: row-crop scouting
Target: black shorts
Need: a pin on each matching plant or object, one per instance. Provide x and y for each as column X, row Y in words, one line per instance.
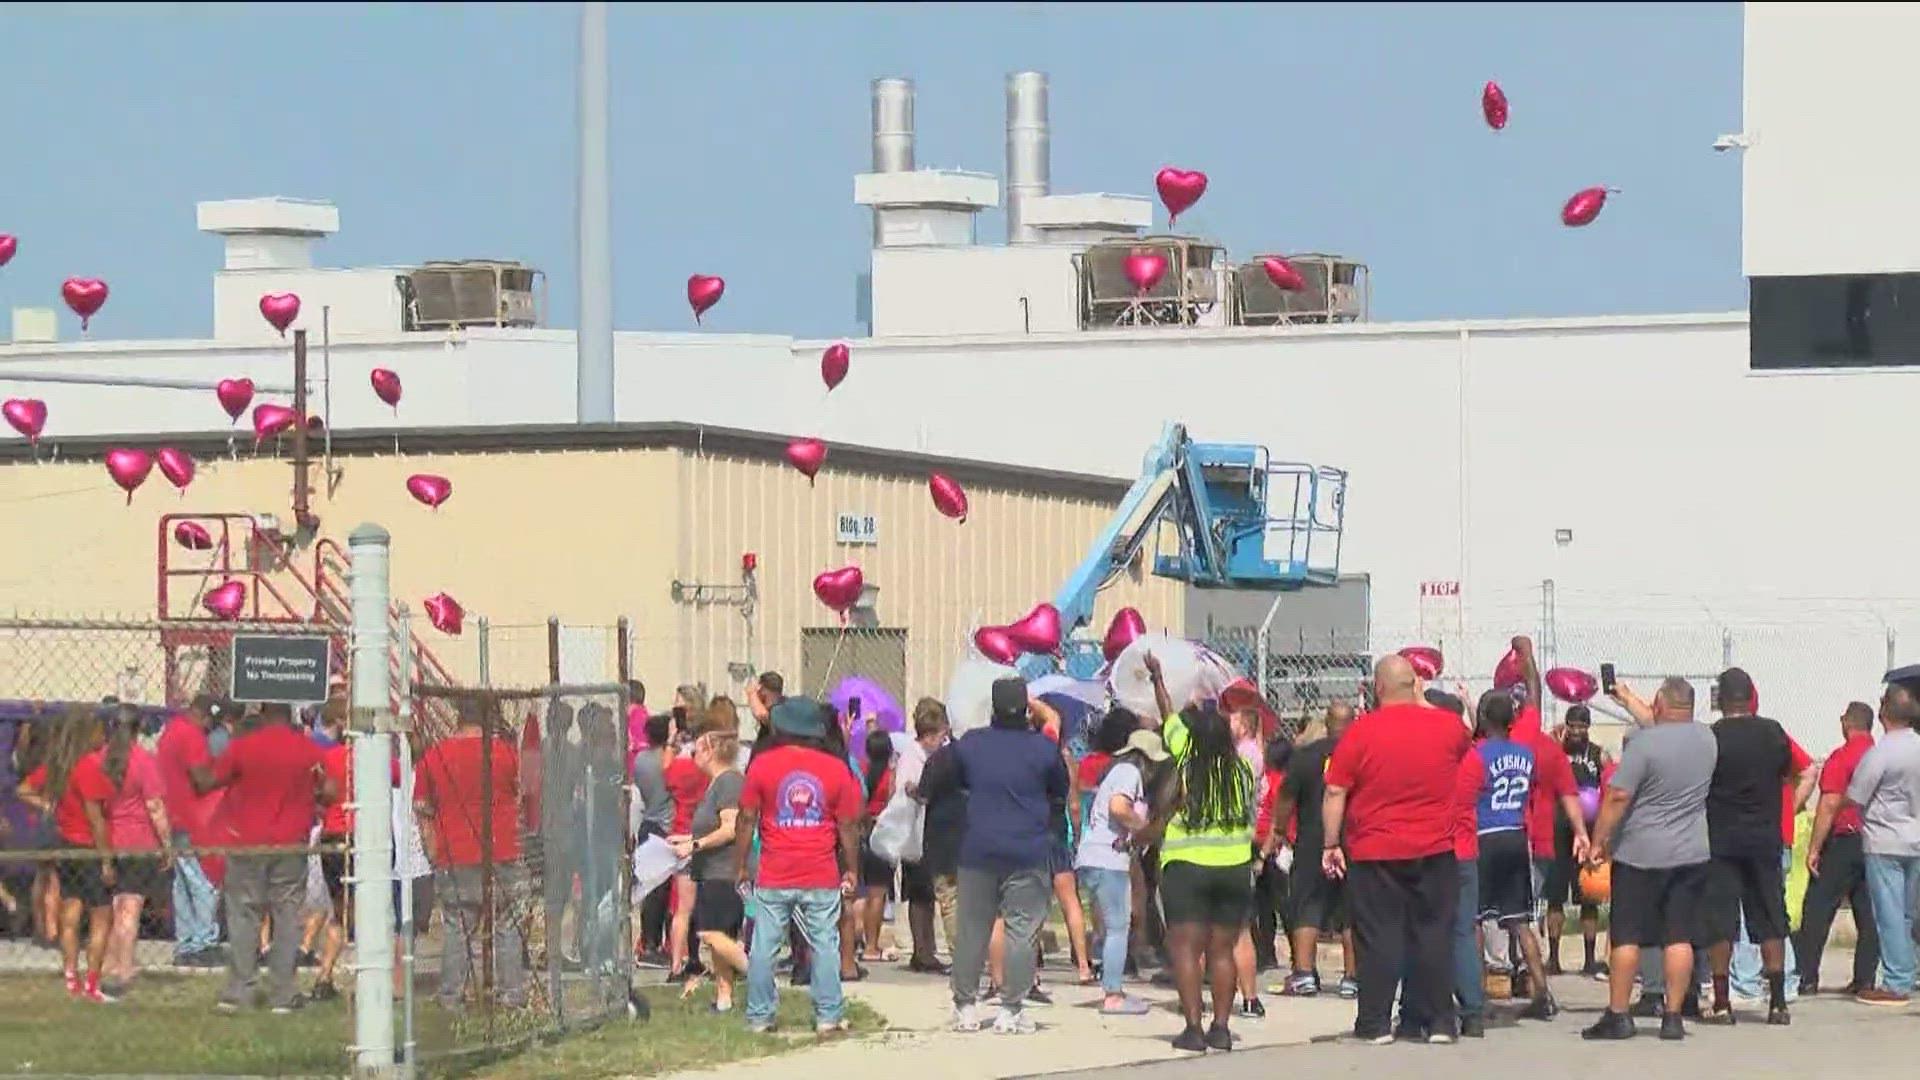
column 1206, row 895
column 80, row 879
column 1314, row 900
column 333, row 870
column 916, row 883
column 1750, row 884
column 718, row 907
column 422, row 912
column 142, row 876
column 1656, row 908
column 875, row 872
column 1560, row 877
column 1506, row 877
column 1059, row 859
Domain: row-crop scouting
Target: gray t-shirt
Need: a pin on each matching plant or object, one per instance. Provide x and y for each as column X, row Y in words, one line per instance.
column 650, row 784
column 1666, row 770
column 716, row 863
column 1886, row 787
column 1097, row 839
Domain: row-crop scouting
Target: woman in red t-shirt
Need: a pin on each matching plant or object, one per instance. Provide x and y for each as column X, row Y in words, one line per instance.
column 141, row 836
column 876, row 873
column 73, row 787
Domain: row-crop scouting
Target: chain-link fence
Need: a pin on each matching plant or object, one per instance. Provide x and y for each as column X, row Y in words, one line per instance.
column 521, row 810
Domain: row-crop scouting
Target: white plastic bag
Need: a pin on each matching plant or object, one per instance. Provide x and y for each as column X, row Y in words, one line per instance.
column 897, row 832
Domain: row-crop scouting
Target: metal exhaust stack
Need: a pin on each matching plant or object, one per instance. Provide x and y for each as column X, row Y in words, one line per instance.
column 892, row 132
column 1029, row 170
column 594, row 390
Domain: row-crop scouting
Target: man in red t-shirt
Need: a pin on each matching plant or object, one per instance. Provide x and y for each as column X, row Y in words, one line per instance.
column 74, row 787
column 804, row 804
column 1389, row 814
column 467, row 797
column 196, row 899
column 1836, row 862
column 274, row 784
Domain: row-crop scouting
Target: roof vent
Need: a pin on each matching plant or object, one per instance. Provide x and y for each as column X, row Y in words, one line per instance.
column 1338, row 291
column 1186, row 292
column 472, row 292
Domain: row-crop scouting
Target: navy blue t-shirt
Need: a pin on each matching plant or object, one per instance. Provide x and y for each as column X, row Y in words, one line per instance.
column 1013, row 777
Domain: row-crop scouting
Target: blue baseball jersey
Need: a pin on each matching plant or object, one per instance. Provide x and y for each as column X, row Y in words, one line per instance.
column 1506, row 782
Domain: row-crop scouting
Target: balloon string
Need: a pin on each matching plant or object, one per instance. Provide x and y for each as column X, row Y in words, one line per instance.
column 834, row 660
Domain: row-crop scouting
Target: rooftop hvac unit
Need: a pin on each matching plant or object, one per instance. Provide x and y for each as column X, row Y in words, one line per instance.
column 471, row 292
column 1337, row 292
column 1187, row 290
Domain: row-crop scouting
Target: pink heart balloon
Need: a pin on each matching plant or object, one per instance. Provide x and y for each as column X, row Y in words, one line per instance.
column 429, row 489
column 28, row 416
column 1426, row 660
column 280, row 309
column 193, row 536
column 84, row 296
column 1121, row 632
column 1282, row 274
column 445, row 613
column 1039, row 631
column 1493, row 105
column 807, row 455
column 839, row 589
column 703, row 292
column 996, row 644
column 8, row 245
column 226, row 601
column 948, row 496
column 1571, row 685
column 235, row 395
column 1179, row 189
column 386, row 386
column 833, row 364
column 1510, row 671
column 129, row 469
column 1584, row 206
column 270, row 419
column 1144, row 269
column 176, row 466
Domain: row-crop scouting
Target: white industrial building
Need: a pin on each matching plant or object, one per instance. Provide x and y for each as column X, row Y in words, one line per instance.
column 1679, row 478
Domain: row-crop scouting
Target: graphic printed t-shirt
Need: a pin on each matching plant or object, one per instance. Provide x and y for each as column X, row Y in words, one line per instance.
column 337, row 761
column 1837, row 773
column 801, row 796
column 716, row 863
column 1306, row 784
column 1666, row 770
column 1886, row 787
column 1506, row 769
column 183, row 748
column 271, row 789
column 448, row 780
column 1098, row 838
column 88, row 782
column 129, row 827
column 1399, row 765
column 1743, row 803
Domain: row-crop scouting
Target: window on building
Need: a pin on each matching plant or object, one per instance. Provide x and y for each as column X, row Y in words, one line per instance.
column 1834, row 320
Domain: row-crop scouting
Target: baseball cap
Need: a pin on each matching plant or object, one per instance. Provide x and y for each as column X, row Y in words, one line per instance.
column 1009, row 697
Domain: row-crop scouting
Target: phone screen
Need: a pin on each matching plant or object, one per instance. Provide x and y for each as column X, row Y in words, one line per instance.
column 1606, row 678
column 853, row 708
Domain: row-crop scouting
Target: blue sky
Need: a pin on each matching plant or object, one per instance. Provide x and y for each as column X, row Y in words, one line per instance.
column 446, row 131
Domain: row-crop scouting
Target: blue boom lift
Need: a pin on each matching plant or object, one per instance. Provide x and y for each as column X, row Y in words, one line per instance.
column 1243, row 521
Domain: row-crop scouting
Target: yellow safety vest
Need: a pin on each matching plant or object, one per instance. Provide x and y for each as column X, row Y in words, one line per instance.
column 1229, row 846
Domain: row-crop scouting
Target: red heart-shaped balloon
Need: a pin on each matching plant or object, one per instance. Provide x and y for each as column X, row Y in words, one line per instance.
column 1510, row 671
column 996, row 644
column 1571, row 685
column 28, row 416
column 807, row 455
column 193, row 536
column 270, row 420
column 1282, row 274
column 1039, row 631
column 1584, row 206
column 280, row 309
column 1127, row 625
column 1144, row 270
column 84, row 296
column 386, row 386
column 8, row 245
column 176, row 466
column 429, row 489
column 226, row 601
column 1493, row 105
column 1426, row 660
column 1179, row 189
column 129, row 469
column 948, row 496
column 703, row 292
column 833, row 364
column 445, row 613
column 839, row 589
column 235, row 395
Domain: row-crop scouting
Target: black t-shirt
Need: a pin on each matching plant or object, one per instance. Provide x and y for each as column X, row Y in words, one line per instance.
column 1306, row 784
column 1587, row 764
column 1743, row 804
column 946, row 819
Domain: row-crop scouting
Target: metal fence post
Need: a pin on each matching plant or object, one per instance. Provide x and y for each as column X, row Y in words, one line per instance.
column 1893, row 648
column 373, row 822
column 404, row 695
column 484, row 633
column 1726, row 647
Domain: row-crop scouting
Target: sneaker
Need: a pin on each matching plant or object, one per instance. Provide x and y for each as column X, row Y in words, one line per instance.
column 1298, row 984
column 1719, row 1015
column 1191, row 1040
column 1441, row 1038
column 1648, row 1007
column 74, row 986
column 1611, row 1026
column 99, row 995
column 1876, row 995
column 1384, row 1038
column 1672, row 1028
column 1252, row 1009
column 226, row 1005
column 761, row 1028
column 1473, row 1026
column 324, row 991
column 290, row 1006
column 307, row 959
column 1779, row 1016
column 827, row 1029
column 1039, row 997
column 966, row 1019
column 1013, row 1022
column 992, row 995
column 1540, row 1008
column 652, row 958
column 1219, row 1038
column 1596, row 971
column 1809, row 988
column 1349, row 987
column 1124, row 1005
column 1408, row 1032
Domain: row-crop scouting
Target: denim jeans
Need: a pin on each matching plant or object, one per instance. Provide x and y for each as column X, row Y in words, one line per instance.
column 1469, row 984
column 817, row 913
column 1894, row 882
column 195, row 900
column 1745, row 979
column 1112, row 892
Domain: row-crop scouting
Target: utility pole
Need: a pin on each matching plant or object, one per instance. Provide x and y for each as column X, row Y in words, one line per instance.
column 594, row 338
column 373, row 724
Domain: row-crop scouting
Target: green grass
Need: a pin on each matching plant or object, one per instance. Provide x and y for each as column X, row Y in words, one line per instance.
column 168, row 1026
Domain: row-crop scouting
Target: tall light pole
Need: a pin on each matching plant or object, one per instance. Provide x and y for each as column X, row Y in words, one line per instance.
column 594, row 339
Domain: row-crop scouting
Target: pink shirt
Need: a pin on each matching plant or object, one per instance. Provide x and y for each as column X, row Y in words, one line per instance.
column 129, row 828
